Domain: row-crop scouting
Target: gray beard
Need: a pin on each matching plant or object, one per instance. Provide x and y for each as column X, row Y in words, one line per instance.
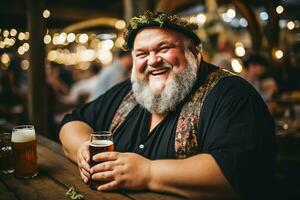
column 173, row 93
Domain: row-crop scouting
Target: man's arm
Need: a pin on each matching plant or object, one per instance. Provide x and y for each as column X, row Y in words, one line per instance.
column 72, row 135
column 195, row 177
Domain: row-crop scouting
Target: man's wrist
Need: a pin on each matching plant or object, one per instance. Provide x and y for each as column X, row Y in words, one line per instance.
column 151, row 176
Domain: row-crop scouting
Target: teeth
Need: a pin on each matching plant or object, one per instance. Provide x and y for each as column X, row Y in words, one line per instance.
column 160, row 71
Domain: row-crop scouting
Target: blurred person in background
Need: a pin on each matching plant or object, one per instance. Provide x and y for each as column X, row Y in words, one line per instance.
column 59, row 80
column 83, row 88
column 115, row 73
column 224, row 54
column 255, row 67
column 180, row 125
column 13, row 92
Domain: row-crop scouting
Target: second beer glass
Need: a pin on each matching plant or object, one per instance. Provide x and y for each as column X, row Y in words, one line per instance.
column 23, row 142
column 101, row 141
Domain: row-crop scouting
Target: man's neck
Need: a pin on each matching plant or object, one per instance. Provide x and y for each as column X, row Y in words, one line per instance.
column 155, row 120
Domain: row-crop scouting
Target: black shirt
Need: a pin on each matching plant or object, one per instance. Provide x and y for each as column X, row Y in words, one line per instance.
column 235, row 127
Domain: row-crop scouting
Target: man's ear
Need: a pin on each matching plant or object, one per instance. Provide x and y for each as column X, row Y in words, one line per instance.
column 194, row 49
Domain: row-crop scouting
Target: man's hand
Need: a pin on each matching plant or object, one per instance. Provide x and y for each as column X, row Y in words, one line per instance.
column 83, row 156
column 121, row 170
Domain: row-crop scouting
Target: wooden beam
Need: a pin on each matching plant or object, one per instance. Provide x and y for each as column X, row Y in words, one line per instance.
column 133, row 8
column 254, row 27
column 172, row 6
column 272, row 29
column 79, row 14
column 37, row 96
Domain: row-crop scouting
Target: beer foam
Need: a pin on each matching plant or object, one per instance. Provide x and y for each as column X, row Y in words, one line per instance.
column 101, row 143
column 23, row 135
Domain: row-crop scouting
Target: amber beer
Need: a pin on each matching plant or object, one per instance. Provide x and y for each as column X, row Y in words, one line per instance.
column 100, row 142
column 24, row 151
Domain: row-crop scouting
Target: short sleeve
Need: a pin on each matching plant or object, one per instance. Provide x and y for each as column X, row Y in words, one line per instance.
column 238, row 132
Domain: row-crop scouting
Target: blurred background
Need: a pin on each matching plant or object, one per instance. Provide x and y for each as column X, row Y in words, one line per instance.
column 56, row 55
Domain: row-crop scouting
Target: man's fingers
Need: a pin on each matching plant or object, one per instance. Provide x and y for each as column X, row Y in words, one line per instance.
column 106, row 156
column 85, row 173
column 85, row 165
column 113, row 185
column 82, row 163
column 103, row 176
column 85, row 153
column 101, row 167
column 84, row 177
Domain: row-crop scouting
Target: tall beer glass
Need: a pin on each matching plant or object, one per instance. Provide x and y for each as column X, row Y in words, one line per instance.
column 100, row 141
column 23, row 142
column 6, row 156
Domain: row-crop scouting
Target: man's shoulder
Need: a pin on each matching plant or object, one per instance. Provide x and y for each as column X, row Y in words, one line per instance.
column 233, row 87
column 237, row 83
column 122, row 87
column 221, row 80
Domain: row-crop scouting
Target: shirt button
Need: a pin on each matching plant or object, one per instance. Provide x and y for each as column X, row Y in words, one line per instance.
column 141, row 146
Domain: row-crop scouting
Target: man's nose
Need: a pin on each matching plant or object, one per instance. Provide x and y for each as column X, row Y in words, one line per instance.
column 153, row 59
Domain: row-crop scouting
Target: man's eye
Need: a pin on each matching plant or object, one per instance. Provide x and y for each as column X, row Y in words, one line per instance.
column 164, row 49
column 141, row 55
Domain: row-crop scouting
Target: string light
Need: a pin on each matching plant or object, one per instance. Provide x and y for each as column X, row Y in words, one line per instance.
column 27, row 35
column 5, row 33
column 46, row 13
column 119, row 42
column 231, row 13
column 61, row 38
column 5, row 59
column 279, row 54
column 279, row 9
column 240, row 51
column 243, row 22
column 25, row 64
column 83, row 38
column 106, row 45
column 201, row 18
column 71, row 37
column 13, row 32
column 26, row 46
column 236, row 65
column 120, row 24
column 290, row 25
column 47, row 39
column 21, row 50
column 264, row 15
column 21, row 36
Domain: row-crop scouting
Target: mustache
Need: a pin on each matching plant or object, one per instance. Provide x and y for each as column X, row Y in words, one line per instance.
column 149, row 69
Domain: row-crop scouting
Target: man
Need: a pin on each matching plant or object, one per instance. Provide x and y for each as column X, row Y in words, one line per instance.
column 255, row 67
column 115, row 73
column 180, row 126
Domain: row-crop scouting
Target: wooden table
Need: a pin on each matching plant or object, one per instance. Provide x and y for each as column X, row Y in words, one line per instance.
column 56, row 175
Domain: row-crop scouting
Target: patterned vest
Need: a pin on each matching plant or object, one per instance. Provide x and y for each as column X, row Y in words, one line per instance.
column 187, row 126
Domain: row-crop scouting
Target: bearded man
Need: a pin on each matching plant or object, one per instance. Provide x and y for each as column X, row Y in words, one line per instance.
column 180, row 125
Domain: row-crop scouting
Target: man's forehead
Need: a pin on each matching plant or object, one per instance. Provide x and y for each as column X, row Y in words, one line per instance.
column 158, row 35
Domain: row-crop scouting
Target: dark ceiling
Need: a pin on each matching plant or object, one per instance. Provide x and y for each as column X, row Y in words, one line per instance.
column 65, row 12
column 13, row 13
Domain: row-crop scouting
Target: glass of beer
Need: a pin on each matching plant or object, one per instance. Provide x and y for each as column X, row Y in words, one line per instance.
column 6, row 156
column 23, row 142
column 100, row 141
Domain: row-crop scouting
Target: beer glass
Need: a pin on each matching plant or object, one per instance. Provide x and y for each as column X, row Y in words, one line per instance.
column 23, row 142
column 100, row 141
column 6, row 156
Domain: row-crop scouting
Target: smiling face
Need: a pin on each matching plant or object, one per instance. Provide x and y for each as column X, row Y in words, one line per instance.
column 158, row 55
column 164, row 68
